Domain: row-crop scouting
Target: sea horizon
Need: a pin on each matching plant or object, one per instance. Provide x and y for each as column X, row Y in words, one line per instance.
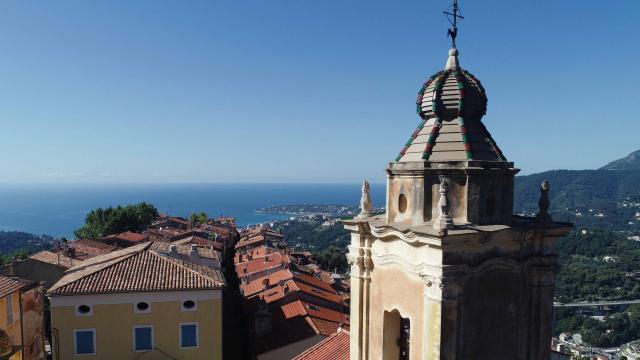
column 57, row 209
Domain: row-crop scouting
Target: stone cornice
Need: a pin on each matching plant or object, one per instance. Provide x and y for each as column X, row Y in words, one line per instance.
column 386, row 232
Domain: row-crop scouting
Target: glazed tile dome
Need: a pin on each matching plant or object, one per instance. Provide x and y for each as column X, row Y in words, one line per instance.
column 451, row 104
column 451, row 93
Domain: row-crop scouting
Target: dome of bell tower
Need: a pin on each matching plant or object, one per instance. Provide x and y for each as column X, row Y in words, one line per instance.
column 451, row 104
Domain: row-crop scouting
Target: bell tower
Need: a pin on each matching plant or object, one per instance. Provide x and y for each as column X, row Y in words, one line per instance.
column 448, row 272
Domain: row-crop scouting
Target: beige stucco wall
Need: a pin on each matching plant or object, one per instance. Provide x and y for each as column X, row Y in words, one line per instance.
column 13, row 330
column 394, row 289
column 114, row 330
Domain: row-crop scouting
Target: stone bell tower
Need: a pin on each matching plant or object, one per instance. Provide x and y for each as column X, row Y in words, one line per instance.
column 448, row 272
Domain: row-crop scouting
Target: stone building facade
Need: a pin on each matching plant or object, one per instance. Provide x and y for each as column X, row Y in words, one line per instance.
column 448, row 272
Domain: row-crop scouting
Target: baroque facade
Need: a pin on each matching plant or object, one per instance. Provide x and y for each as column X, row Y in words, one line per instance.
column 448, row 272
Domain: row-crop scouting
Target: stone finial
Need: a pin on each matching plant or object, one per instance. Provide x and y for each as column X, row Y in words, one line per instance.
column 366, row 209
column 543, row 204
column 452, row 60
column 443, row 221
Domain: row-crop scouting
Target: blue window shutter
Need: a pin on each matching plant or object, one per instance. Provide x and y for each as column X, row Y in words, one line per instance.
column 143, row 338
column 189, row 335
column 84, row 342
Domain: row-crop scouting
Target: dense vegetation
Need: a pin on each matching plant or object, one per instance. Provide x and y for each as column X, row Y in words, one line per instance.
column 598, row 265
column 312, row 235
column 614, row 330
column 101, row 222
column 20, row 244
column 332, row 259
column 199, row 218
column 576, row 189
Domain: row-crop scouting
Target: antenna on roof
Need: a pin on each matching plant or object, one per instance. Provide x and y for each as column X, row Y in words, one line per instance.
column 452, row 16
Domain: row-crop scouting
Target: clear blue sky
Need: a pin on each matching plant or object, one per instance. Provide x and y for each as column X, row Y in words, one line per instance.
column 310, row 91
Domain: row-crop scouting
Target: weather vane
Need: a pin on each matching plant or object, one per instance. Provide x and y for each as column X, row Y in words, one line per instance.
column 452, row 16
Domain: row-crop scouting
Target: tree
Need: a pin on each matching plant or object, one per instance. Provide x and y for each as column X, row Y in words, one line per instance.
column 332, row 258
column 199, row 218
column 101, row 222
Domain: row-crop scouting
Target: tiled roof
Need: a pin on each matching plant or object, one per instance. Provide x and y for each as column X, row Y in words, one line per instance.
column 9, row 285
column 129, row 236
column 133, row 269
column 324, row 321
column 200, row 241
column 52, row 258
column 330, row 295
column 164, row 247
column 255, row 286
column 250, row 241
column 335, row 347
column 314, row 282
column 85, row 248
column 254, row 253
column 261, row 264
column 323, row 327
column 179, row 220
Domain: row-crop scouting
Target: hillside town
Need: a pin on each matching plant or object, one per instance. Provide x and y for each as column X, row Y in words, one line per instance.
column 166, row 291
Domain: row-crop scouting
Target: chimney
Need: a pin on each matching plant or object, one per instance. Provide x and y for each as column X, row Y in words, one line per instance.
column 173, row 250
column 265, row 282
column 193, row 254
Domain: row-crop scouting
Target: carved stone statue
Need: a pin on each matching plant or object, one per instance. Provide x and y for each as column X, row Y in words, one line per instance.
column 543, row 215
column 366, row 209
column 443, row 221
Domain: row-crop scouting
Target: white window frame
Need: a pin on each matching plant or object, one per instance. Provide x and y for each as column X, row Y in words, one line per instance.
column 78, row 313
column 197, row 336
column 75, row 342
column 153, row 340
column 137, row 311
column 194, row 308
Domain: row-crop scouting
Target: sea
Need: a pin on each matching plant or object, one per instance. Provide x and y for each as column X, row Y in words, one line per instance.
column 59, row 209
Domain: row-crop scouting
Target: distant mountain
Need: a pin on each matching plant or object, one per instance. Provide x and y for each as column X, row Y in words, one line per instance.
column 578, row 188
column 601, row 198
column 630, row 162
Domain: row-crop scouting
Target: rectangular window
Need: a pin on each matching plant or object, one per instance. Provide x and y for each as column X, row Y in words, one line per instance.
column 85, row 341
column 143, row 338
column 9, row 301
column 188, row 335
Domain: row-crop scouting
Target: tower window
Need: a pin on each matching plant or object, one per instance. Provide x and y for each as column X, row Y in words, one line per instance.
column 402, row 203
column 405, row 338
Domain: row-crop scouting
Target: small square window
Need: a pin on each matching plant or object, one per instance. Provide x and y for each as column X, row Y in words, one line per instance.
column 143, row 338
column 188, row 335
column 85, row 341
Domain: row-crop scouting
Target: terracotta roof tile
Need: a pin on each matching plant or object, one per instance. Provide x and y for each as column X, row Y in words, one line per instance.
column 335, row 347
column 324, row 321
column 9, row 285
column 85, row 248
column 184, row 249
column 128, row 236
column 54, row 259
column 258, row 265
column 260, row 284
column 135, row 269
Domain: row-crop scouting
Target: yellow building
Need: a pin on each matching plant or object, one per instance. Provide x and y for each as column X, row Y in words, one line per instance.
column 138, row 303
column 21, row 319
